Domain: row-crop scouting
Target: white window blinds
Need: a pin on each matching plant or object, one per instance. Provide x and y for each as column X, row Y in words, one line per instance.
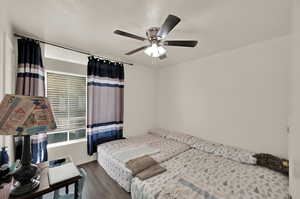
column 67, row 95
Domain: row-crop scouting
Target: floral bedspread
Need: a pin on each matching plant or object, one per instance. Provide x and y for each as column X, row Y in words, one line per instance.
column 117, row 170
column 197, row 174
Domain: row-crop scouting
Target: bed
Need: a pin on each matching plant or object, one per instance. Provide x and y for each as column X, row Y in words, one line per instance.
column 116, row 169
column 195, row 168
column 198, row 174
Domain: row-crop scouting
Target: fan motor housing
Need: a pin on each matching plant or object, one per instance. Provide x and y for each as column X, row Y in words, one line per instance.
column 152, row 33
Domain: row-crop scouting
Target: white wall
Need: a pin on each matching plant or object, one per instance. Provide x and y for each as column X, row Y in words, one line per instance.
column 7, row 69
column 139, row 105
column 237, row 97
column 294, row 137
column 1, row 64
column 140, row 99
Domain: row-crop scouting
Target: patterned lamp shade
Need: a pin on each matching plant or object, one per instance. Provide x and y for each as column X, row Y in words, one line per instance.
column 25, row 115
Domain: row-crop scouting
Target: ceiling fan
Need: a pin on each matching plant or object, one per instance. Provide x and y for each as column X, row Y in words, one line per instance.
column 156, row 36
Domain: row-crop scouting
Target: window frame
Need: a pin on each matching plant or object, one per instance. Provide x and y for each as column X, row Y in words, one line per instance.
column 59, row 131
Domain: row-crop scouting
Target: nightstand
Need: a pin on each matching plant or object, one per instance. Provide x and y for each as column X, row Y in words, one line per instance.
column 45, row 186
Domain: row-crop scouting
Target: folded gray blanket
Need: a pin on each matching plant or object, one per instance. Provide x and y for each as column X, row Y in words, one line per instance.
column 144, row 167
column 150, row 172
column 139, row 164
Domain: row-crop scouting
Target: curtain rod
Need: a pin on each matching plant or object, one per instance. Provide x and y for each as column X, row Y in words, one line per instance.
column 69, row 48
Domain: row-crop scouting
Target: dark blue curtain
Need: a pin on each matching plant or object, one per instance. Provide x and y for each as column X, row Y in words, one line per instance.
column 30, row 82
column 105, row 102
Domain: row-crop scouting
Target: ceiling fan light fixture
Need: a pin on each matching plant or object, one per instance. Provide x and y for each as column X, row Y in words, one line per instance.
column 155, row 51
column 156, row 37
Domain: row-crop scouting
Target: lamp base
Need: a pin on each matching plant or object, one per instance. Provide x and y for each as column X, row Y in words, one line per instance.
column 21, row 189
column 26, row 176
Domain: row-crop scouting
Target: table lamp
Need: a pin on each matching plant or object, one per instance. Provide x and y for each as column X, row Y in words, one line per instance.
column 25, row 116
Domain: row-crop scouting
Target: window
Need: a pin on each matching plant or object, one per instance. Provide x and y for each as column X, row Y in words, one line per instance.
column 67, row 95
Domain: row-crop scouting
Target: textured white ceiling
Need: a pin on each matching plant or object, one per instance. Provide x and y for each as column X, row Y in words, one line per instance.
column 88, row 24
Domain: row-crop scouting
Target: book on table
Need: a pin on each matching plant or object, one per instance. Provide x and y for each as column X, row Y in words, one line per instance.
column 62, row 172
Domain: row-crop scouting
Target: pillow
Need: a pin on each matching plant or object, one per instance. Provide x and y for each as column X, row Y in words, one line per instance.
column 236, row 154
column 229, row 152
column 206, row 146
column 159, row 132
column 182, row 137
column 273, row 163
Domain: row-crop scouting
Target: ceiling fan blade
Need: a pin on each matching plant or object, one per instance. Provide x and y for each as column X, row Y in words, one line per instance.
column 170, row 22
column 164, row 56
column 136, row 50
column 181, row 43
column 126, row 34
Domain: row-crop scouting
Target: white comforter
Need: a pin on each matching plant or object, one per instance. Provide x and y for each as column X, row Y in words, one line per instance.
column 166, row 149
column 196, row 174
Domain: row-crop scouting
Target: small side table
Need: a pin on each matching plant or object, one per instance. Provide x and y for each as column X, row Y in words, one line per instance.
column 45, row 187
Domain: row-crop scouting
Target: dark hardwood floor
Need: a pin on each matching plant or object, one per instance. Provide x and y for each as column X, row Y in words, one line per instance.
column 100, row 186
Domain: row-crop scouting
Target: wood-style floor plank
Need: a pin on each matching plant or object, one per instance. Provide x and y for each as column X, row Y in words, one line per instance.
column 99, row 185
